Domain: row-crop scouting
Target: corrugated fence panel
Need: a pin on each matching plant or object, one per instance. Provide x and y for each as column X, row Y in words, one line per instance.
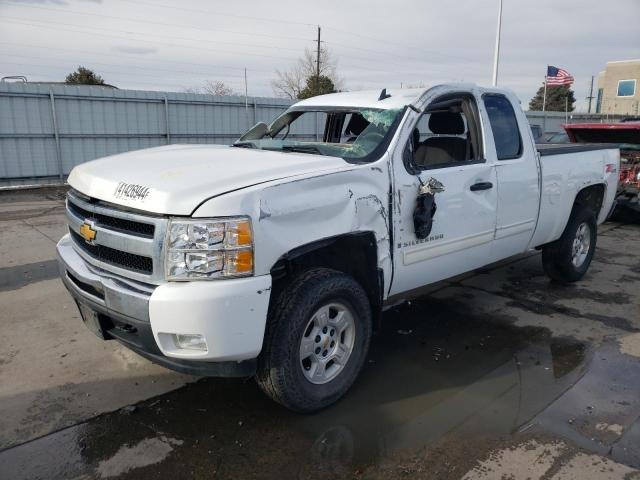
column 93, row 122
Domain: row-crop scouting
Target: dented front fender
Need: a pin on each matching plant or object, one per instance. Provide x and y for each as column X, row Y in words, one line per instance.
column 303, row 210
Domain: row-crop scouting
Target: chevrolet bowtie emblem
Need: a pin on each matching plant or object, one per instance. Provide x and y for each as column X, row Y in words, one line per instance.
column 87, row 231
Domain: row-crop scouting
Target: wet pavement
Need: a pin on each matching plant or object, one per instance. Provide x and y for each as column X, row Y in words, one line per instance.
column 497, row 374
column 422, row 381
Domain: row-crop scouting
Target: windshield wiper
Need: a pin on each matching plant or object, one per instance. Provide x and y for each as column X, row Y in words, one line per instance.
column 302, row 149
column 244, row 145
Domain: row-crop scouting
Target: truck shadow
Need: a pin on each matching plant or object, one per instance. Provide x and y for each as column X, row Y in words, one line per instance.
column 456, row 373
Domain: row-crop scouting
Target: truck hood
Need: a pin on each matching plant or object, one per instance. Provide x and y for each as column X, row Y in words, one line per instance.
column 175, row 179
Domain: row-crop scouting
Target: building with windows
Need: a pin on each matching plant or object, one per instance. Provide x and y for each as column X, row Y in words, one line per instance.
column 619, row 88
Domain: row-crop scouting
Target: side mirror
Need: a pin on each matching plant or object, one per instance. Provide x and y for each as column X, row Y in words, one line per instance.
column 256, row 132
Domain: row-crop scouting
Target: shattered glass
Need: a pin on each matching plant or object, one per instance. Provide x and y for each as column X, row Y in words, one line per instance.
column 354, row 133
column 381, row 118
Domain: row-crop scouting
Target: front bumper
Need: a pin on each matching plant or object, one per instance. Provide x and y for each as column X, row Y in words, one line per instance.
column 229, row 314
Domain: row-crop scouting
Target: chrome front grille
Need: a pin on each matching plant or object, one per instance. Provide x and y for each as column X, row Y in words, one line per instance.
column 126, row 243
column 118, row 224
column 117, row 258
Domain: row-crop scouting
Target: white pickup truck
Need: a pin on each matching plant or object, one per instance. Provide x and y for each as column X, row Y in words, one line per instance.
column 272, row 257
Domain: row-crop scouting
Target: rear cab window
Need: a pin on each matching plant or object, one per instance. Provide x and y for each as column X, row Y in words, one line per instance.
column 504, row 125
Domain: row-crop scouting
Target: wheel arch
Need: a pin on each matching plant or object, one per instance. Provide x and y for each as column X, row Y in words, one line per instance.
column 355, row 254
column 591, row 196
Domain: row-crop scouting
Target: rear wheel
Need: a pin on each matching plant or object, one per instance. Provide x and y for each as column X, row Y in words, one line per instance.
column 567, row 259
column 317, row 339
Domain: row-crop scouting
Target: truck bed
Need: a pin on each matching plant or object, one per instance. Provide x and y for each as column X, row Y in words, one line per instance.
column 560, row 148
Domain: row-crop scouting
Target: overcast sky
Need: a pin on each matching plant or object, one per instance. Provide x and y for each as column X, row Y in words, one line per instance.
column 144, row 44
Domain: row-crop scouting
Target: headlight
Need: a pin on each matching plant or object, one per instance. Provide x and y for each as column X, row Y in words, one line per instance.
column 209, row 249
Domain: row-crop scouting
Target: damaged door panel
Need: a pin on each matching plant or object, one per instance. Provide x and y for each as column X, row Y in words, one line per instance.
column 443, row 225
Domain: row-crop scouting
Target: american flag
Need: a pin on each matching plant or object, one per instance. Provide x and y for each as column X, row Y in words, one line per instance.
column 558, row 76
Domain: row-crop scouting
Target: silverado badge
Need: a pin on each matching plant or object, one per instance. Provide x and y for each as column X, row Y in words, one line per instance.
column 88, row 232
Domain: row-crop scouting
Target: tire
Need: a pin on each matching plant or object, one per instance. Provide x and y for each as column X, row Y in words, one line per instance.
column 565, row 261
column 294, row 317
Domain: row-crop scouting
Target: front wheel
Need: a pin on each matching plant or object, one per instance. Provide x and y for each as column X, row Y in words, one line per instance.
column 316, row 342
column 567, row 259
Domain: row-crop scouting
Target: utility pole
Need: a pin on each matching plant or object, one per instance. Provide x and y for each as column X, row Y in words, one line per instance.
column 544, row 102
column 496, row 53
column 246, row 99
column 318, row 64
column 590, row 97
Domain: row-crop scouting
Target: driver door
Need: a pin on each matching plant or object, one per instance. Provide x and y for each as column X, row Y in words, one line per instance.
column 464, row 223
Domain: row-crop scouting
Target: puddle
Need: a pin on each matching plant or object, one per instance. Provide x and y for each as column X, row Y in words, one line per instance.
column 146, row 452
column 432, row 373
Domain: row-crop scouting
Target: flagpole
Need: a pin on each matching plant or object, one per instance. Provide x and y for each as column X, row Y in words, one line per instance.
column 496, row 52
column 544, row 104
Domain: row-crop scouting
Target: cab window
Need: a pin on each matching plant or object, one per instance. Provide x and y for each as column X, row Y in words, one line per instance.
column 504, row 125
column 447, row 134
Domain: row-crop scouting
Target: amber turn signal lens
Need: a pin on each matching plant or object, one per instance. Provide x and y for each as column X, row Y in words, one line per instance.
column 243, row 232
column 238, row 262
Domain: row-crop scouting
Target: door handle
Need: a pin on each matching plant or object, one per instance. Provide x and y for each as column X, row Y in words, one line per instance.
column 481, row 186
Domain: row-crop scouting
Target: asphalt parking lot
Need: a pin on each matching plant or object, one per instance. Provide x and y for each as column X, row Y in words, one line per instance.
column 497, row 374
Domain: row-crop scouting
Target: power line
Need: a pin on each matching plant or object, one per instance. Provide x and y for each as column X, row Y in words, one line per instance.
column 146, row 84
column 138, row 59
column 381, row 66
column 149, row 22
column 366, row 37
column 378, row 52
column 182, row 46
column 105, row 72
column 22, row 21
column 200, row 66
column 92, row 33
column 124, row 65
column 129, row 32
column 190, row 27
column 404, row 46
column 209, row 12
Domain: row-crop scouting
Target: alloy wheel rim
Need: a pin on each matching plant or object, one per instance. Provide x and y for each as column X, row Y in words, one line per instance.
column 581, row 244
column 327, row 343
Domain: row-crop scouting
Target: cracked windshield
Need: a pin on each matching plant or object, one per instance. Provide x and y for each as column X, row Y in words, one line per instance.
column 350, row 134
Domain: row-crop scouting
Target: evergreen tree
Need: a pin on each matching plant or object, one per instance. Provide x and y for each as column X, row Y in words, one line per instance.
column 317, row 86
column 556, row 97
column 84, row 76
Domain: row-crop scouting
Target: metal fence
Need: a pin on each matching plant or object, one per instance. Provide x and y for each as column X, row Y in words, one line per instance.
column 46, row 130
column 551, row 122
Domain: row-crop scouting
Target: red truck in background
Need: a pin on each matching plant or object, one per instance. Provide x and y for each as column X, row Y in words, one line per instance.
column 626, row 135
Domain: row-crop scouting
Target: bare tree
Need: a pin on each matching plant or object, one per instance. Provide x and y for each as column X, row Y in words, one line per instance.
column 290, row 83
column 213, row 87
column 217, row 87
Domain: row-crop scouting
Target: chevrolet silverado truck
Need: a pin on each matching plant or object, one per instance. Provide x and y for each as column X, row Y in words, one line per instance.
column 274, row 257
